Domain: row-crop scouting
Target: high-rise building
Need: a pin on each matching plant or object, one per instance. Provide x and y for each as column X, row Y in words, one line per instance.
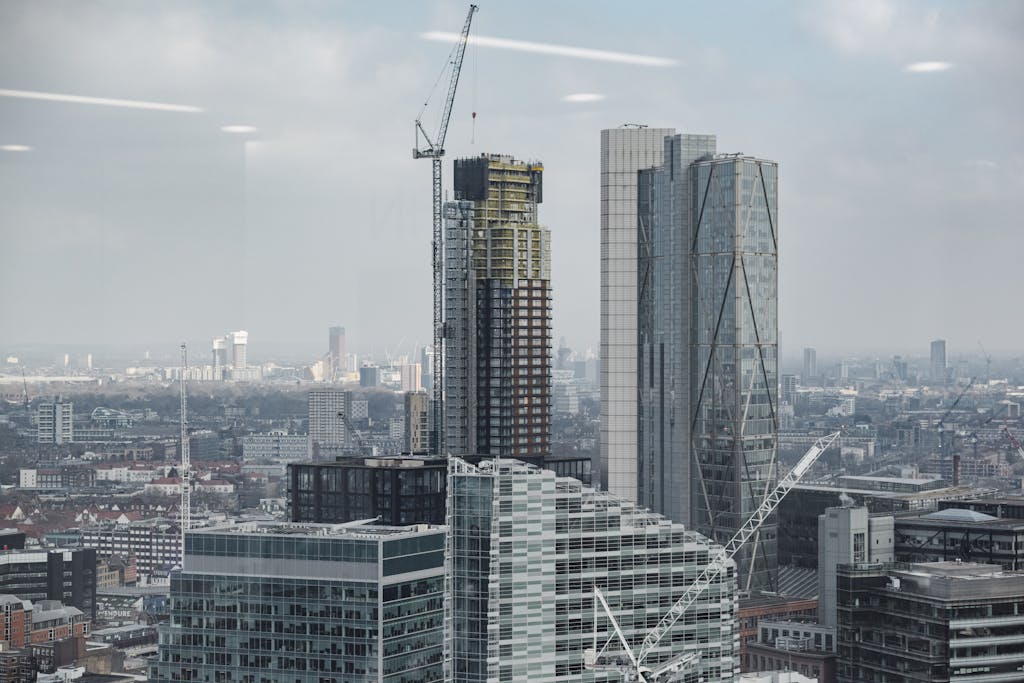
column 666, row 212
column 810, row 366
column 787, row 389
column 369, row 375
column 409, row 375
column 220, row 357
column 239, row 343
column 525, row 550
column 941, row 621
column 938, row 361
column 848, row 535
column 417, row 422
column 67, row 575
column 498, row 309
column 306, row 603
column 624, row 151
column 330, row 429
column 335, row 353
column 55, row 422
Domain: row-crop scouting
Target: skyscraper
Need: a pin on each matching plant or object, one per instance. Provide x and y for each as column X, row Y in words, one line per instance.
column 220, row 357
column 335, row 353
column 734, row 353
column 526, row 548
column 664, row 292
column 498, row 311
column 417, row 422
column 810, row 366
column 938, row 364
column 239, row 343
column 55, row 422
column 624, row 151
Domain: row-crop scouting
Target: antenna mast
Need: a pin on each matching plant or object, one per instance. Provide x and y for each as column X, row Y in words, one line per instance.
column 186, row 466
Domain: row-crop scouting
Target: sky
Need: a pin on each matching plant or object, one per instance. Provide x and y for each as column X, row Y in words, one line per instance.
column 896, row 126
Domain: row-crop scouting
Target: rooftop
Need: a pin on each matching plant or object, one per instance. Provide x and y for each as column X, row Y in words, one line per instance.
column 358, row 529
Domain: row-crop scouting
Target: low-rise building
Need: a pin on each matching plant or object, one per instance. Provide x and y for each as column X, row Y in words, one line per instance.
column 799, row 646
column 275, row 445
column 154, row 543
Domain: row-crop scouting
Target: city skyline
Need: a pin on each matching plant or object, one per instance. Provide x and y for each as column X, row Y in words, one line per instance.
column 293, row 173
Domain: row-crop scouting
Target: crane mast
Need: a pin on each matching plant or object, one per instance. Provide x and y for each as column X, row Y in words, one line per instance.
column 710, row 574
column 434, row 150
column 186, row 465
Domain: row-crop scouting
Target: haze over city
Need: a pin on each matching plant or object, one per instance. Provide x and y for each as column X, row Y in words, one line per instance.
column 896, row 127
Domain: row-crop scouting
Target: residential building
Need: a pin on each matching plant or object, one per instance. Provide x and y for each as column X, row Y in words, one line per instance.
column 330, row 422
column 525, row 550
column 335, row 354
column 417, row 423
column 398, row 490
column 308, row 603
column 848, row 535
column 410, row 377
column 155, row 543
column 787, row 389
column 934, row 622
column 15, row 621
column 55, row 422
column 369, row 376
column 624, row 151
column 67, row 575
column 667, row 211
column 938, row 361
column 239, row 351
column 220, row 357
column 498, row 308
column 275, row 445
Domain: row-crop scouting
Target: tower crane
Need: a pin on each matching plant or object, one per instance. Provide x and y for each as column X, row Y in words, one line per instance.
column 636, row 671
column 186, row 465
column 433, row 149
column 1016, row 444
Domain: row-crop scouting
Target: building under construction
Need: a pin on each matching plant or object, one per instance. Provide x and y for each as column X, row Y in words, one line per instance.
column 498, row 311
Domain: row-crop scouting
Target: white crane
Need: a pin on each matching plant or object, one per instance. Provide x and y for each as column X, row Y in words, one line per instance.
column 434, row 150
column 186, row 465
column 636, row 671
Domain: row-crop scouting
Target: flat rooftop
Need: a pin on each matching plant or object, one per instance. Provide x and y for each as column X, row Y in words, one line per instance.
column 364, row 529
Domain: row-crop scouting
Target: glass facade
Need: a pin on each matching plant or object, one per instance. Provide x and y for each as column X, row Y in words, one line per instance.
column 306, row 603
column 624, row 151
column 526, row 550
column 734, row 351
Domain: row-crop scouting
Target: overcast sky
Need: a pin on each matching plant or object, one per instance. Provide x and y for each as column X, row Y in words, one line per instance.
column 900, row 185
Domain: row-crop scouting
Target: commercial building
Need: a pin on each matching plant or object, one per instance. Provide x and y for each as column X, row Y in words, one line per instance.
column 417, row 423
column 306, row 603
column 525, row 550
column 330, row 423
column 959, row 535
column 335, row 354
column 798, row 646
column 398, row 490
column 369, row 376
column 938, row 361
column 624, row 151
column 498, row 308
column 275, row 445
column 67, row 576
column 758, row 607
column 55, row 422
column 848, row 535
column 934, row 622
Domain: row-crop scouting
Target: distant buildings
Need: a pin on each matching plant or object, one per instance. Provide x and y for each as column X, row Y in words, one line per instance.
column 525, row 549
column 55, row 422
column 938, row 361
column 417, row 423
column 943, row 621
column 330, row 417
column 155, row 543
column 369, row 376
column 410, row 377
column 498, row 308
column 810, row 366
column 398, row 490
column 336, row 359
column 275, row 445
column 307, row 603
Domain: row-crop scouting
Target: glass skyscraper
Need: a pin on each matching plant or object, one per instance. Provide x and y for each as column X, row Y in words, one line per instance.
column 525, row 550
column 309, row 603
column 707, row 329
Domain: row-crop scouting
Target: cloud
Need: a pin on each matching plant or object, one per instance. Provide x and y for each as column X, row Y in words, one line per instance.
column 582, row 97
column 556, row 50
column 927, row 67
column 102, row 101
column 15, row 148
